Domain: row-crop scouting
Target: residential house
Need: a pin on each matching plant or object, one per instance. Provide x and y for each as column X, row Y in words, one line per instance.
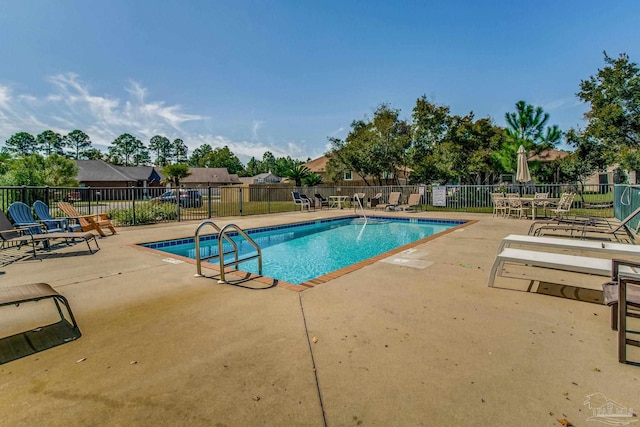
column 205, row 177
column 350, row 178
column 98, row 173
column 263, row 178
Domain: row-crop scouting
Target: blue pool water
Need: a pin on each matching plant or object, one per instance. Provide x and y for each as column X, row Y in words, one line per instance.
column 299, row 252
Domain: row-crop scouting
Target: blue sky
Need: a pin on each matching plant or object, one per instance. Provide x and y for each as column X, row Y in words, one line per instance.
column 284, row 76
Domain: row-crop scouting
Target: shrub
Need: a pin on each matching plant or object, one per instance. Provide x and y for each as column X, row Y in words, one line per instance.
column 145, row 213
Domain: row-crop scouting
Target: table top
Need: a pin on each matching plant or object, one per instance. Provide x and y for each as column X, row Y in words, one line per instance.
column 339, row 197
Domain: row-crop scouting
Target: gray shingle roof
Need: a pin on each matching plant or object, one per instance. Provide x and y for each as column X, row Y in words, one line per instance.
column 99, row 170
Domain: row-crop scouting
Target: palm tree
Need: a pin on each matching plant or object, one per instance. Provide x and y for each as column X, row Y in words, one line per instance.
column 174, row 173
column 313, row 179
column 298, row 173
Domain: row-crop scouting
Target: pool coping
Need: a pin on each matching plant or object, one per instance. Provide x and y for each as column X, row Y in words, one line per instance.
column 271, row 282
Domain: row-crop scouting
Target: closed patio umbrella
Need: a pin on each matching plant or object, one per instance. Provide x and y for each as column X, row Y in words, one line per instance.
column 522, row 174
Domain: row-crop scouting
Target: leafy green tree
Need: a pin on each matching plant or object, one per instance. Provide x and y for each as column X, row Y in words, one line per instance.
column 613, row 95
column 50, row 142
column 142, row 157
column 93, row 154
column 373, row 148
column 253, row 167
column 298, row 174
column 130, row 149
column 179, row 151
column 5, row 162
column 199, row 156
column 284, row 164
column 430, row 125
column 161, row 146
column 60, row 171
column 268, row 162
column 205, row 156
column 36, row 170
column 474, row 142
column 21, row 143
column 224, row 158
column 175, row 172
column 589, row 156
column 77, row 141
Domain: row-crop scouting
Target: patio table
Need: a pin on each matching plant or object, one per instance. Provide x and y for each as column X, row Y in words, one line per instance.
column 336, row 201
column 530, row 201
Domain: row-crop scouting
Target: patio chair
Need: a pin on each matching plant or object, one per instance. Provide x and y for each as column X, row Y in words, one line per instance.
column 22, row 216
column 375, row 200
column 308, row 200
column 87, row 222
column 321, row 201
column 22, row 235
column 394, row 200
column 42, row 212
column 297, row 200
column 358, row 197
column 603, row 229
column 564, row 205
column 412, row 203
column 622, row 294
column 515, row 204
column 500, row 204
column 542, row 204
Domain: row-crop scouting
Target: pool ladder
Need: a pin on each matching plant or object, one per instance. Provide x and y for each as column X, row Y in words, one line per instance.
column 222, row 234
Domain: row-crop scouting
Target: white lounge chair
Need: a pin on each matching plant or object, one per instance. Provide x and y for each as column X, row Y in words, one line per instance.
column 394, row 200
column 412, row 202
column 297, row 200
column 571, row 244
column 583, row 228
column 563, row 262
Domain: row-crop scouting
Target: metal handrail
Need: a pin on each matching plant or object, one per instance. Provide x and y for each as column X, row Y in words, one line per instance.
column 359, row 204
column 236, row 261
column 220, row 254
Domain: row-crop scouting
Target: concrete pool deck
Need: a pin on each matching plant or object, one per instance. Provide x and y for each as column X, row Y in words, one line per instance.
column 425, row 342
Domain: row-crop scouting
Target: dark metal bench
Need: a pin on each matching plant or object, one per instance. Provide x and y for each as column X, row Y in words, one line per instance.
column 41, row 338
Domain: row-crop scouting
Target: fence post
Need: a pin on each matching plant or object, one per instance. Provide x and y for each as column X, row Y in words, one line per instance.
column 133, row 204
column 240, row 201
column 209, row 201
column 24, row 194
column 268, row 199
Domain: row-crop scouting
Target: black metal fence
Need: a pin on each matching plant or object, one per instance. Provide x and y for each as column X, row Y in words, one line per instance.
column 137, row 205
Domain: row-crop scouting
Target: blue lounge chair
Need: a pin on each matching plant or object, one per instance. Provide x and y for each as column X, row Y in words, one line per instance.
column 23, row 217
column 23, row 235
column 42, row 212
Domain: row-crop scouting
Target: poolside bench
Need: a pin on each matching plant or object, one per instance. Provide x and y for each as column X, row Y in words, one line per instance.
column 41, row 338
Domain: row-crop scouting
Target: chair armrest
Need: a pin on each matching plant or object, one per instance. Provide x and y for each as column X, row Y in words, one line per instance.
column 632, row 270
column 21, row 230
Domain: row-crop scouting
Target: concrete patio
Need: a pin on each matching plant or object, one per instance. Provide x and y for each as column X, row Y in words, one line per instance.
column 385, row 345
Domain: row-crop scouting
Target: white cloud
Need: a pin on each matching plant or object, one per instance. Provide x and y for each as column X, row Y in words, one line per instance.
column 257, row 124
column 71, row 104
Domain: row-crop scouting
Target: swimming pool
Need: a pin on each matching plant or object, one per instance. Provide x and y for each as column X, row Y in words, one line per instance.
column 299, row 252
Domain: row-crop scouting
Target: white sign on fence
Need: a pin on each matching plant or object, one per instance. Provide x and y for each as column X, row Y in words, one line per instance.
column 439, row 196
